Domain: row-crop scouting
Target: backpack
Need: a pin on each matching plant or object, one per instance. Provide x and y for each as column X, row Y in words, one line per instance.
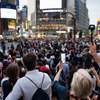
column 39, row 94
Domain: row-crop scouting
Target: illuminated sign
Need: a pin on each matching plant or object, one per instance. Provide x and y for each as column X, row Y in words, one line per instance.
column 52, row 4
column 11, row 25
column 8, row 13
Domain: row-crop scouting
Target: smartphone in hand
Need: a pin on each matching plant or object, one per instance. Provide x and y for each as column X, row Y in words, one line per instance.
column 63, row 57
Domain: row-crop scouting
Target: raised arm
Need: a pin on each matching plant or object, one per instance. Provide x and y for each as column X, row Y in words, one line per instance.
column 93, row 52
column 59, row 72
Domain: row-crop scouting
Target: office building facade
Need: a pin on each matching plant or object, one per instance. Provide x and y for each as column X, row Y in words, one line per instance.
column 50, row 22
column 83, row 20
column 8, row 17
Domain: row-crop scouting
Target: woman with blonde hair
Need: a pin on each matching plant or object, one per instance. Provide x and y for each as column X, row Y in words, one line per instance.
column 81, row 86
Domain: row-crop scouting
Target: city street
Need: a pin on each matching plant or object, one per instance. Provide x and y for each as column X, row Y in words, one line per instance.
column 8, row 44
column 54, row 41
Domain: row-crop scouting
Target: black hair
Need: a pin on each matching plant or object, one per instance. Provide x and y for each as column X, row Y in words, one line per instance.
column 39, row 56
column 53, row 72
column 46, row 71
column 20, row 63
column 40, row 64
column 48, row 55
column 29, row 61
column 22, row 71
column 89, row 58
column 44, row 62
column 72, row 62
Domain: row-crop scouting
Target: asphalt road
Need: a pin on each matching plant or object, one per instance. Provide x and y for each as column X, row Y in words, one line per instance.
column 8, row 44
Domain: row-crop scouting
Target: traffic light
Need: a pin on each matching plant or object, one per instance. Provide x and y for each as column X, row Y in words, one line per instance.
column 96, row 33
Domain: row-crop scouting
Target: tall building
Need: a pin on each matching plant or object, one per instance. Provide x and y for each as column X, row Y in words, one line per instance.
column 8, row 17
column 31, row 8
column 98, row 26
column 22, row 3
column 82, row 21
column 69, row 21
column 47, row 22
column 70, row 8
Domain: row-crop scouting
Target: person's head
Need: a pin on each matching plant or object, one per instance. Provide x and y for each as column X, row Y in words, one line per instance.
column 20, row 63
column 39, row 56
column 82, row 83
column 39, row 65
column 12, row 72
column 22, row 71
column 72, row 63
column 52, row 70
column 89, row 60
column 29, row 61
column 44, row 62
column 45, row 70
column 48, row 56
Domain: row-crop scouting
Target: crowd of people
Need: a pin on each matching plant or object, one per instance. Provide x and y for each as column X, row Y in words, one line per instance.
column 33, row 70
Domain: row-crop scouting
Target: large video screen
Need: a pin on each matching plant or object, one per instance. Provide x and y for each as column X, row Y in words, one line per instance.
column 50, row 4
column 8, row 13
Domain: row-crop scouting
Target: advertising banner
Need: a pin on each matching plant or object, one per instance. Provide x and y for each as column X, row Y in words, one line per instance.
column 50, row 4
column 11, row 25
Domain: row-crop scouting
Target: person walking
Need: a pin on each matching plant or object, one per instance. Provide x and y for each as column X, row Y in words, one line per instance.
column 3, row 46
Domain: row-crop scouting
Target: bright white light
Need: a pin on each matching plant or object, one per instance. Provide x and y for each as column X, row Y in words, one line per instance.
column 25, row 35
column 52, row 10
column 8, row 13
column 50, row 4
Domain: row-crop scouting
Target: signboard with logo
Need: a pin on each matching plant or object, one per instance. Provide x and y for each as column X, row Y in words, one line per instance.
column 11, row 25
column 8, row 11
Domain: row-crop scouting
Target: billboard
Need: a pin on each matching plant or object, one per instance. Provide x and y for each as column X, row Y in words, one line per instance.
column 7, row 5
column 52, row 4
column 8, row 13
column 11, row 25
